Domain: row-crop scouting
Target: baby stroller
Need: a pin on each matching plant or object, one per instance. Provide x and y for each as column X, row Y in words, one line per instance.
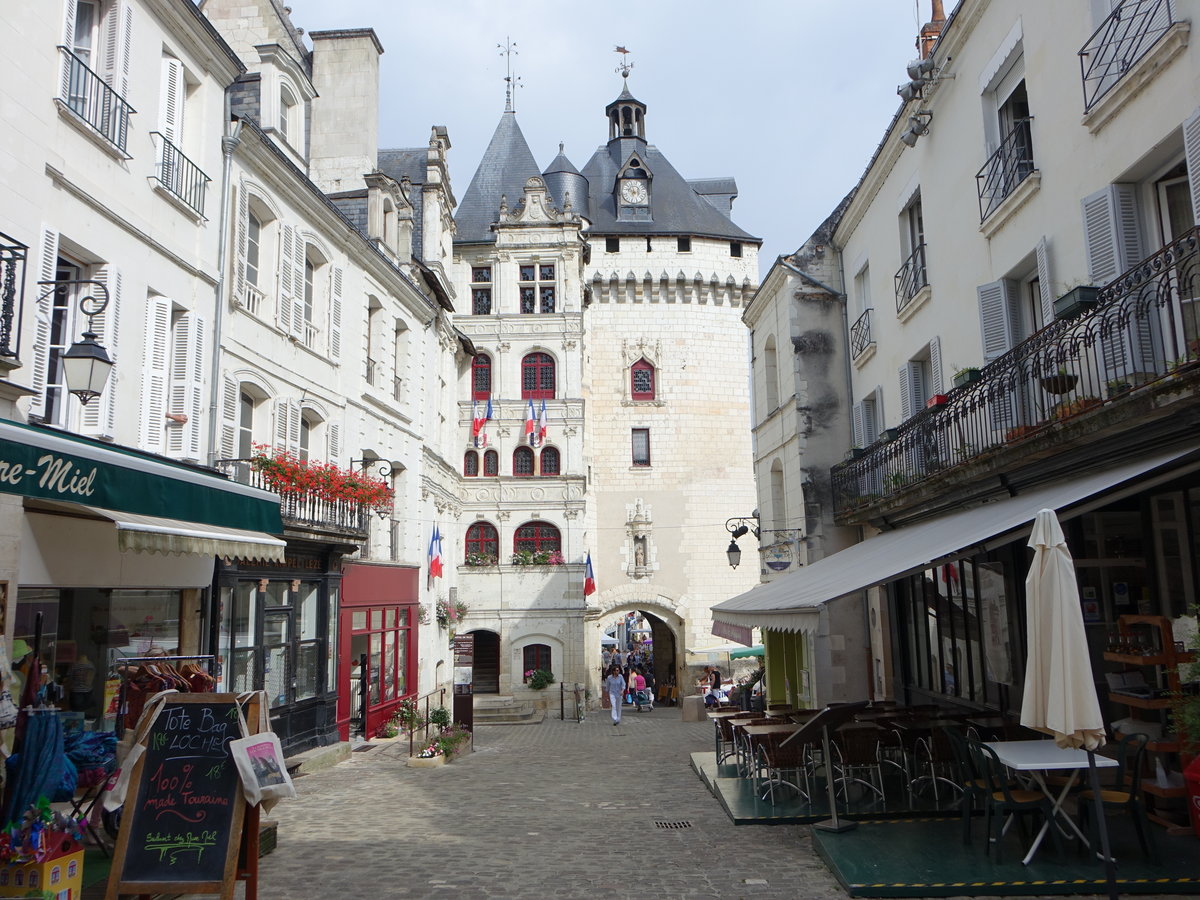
column 643, row 700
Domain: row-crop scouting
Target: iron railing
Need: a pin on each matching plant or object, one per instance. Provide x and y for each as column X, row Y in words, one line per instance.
column 860, row 334
column 13, row 255
column 911, row 277
column 306, row 509
column 101, row 107
column 1127, row 35
column 1005, row 169
column 178, row 174
column 1145, row 329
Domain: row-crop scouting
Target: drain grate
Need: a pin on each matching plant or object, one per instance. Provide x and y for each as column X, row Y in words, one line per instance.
column 677, row 824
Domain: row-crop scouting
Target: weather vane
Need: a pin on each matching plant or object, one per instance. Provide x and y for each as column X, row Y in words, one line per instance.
column 508, row 50
column 626, row 66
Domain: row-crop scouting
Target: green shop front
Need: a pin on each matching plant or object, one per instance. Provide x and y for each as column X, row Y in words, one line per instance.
column 116, row 550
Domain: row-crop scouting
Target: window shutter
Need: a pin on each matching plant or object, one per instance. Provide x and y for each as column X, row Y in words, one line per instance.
column 1045, row 288
column 858, row 425
column 995, row 323
column 68, row 42
column 1112, row 237
column 42, row 321
column 287, row 267
column 187, row 385
column 298, row 287
column 1191, row 150
column 155, row 378
column 906, row 392
column 871, row 417
column 293, row 419
column 126, row 49
column 111, row 28
column 99, row 417
column 335, row 314
column 335, row 442
column 229, row 417
column 936, row 384
column 282, row 411
column 178, row 376
column 242, row 231
column 171, row 100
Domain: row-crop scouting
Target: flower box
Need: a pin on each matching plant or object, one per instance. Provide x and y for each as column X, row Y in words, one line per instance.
column 1020, row 432
column 890, row 434
column 966, row 376
column 429, row 762
column 1062, row 383
column 855, row 453
column 1076, row 302
column 936, row 400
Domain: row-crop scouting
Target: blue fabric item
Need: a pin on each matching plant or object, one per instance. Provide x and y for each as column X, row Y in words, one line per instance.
column 40, row 769
column 91, row 749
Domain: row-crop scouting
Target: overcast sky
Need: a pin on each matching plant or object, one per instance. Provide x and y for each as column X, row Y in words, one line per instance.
column 790, row 97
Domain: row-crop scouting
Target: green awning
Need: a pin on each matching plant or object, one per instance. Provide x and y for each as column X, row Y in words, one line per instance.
column 756, row 650
column 36, row 462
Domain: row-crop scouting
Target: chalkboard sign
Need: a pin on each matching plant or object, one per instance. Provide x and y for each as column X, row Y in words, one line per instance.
column 182, row 821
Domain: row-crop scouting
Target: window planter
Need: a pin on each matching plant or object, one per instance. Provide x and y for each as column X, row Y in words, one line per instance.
column 966, row 376
column 1070, row 409
column 1062, row 383
column 1076, row 301
column 855, row 453
column 890, row 434
column 1021, row 432
column 935, row 400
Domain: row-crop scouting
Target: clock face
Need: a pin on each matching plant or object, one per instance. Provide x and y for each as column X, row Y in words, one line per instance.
column 633, row 191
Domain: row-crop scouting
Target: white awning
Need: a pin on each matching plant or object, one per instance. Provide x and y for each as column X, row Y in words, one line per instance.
column 793, row 602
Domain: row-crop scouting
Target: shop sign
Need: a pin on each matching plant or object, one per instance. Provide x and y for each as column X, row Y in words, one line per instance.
column 778, row 557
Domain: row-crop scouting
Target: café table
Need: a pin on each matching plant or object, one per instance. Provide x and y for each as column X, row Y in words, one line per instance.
column 720, row 720
column 1039, row 756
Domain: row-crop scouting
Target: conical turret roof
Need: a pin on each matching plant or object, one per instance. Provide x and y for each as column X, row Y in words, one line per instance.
column 506, row 165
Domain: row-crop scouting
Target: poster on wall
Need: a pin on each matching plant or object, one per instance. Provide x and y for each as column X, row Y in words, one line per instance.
column 993, row 607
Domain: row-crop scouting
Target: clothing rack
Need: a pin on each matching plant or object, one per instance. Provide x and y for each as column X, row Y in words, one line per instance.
column 116, row 661
column 120, row 665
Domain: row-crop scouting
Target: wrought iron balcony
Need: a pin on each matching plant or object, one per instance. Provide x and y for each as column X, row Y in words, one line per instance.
column 860, row 334
column 1143, row 332
column 178, row 174
column 86, row 94
column 12, row 288
column 304, row 509
column 1005, row 169
column 911, row 277
column 1128, row 34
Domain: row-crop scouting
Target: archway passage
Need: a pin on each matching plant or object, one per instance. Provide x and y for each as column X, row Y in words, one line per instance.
column 654, row 641
column 486, row 676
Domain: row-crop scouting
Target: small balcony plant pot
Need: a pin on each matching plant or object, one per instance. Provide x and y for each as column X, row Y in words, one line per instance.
column 890, row 434
column 936, row 400
column 1062, row 383
column 966, row 376
column 855, row 453
column 429, row 762
column 1076, row 302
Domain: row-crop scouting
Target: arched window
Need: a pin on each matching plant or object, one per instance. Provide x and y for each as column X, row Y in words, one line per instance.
column 537, row 537
column 534, row 657
column 641, row 376
column 483, row 543
column 522, row 461
column 491, row 463
column 771, row 375
column 481, row 377
column 287, row 107
column 537, row 377
column 471, row 464
column 549, row 461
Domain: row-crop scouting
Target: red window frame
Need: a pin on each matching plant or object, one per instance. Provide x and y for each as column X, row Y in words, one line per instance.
column 481, row 376
column 522, row 463
column 491, row 463
column 537, row 536
column 537, row 377
column 483, row 538
column 638, row 367
column 549, row 461
column 470, row 464
column 535, row 656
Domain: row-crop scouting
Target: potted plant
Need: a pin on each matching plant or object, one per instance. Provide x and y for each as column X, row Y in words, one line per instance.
column 1070, row 408
column 538, row 679
column 966, row 376
column 1076, row 301
column 1118, row 386
column 1062, row 382
column 936, row 400
column 439, row 716
column 1020, row 432
column 429, row 756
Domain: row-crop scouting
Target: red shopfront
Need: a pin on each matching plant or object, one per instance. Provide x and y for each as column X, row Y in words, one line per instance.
column 378, row 623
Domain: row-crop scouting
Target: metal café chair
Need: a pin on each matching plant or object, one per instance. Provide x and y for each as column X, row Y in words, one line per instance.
column 1123, row 797
column 778, row 764
column 856, row 754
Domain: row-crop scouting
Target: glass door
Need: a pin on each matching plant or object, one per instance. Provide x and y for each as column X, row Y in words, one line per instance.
column 278, row 665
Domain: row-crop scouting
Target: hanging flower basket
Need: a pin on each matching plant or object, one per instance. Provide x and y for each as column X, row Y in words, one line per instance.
column 1062, row 383
column 286, row 474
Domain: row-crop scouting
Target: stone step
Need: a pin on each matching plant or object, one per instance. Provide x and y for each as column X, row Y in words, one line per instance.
column 495, row 709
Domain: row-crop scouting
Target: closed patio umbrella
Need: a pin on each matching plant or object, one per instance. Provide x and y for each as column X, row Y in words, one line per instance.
column 1060, row 695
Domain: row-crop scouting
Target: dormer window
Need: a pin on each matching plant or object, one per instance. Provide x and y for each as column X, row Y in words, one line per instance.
column 287, row 113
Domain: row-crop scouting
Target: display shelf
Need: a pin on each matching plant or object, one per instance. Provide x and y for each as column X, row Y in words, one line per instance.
column 1157, row 659
column 1141, row 702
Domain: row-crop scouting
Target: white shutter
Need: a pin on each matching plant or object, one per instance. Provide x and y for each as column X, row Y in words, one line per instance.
column 936, row 384
column 298, row 319
column 857, row 416
column 99, row 417
column 1045, row 289
column 241, row 229
column 281, row 425
column 229, row 417
column 155, row 377
column 995, row 322
column 198, row 358
column 68, row 42
column 42, row 322
column 334, row 434
column 1112, row 237
column 1191, row 150
column 187, row 385
column 906, row 393
column 293, row 433
column 335, row 314
column 110, row 29
column 871, row 417
column 171, row 100
column 287, row 267
column 125, row 53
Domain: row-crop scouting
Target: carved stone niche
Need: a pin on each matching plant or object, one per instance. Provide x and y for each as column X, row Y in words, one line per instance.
column 639, row 543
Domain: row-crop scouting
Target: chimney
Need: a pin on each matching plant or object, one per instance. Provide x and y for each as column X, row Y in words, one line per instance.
column 932, row 30
column 344, row 143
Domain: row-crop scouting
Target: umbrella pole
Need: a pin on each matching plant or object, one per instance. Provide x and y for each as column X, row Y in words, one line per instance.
column 1110, row 868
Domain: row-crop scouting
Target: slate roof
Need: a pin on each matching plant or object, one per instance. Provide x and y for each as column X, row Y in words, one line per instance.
column 675, row 206
column 411, row 162
column 506, row 165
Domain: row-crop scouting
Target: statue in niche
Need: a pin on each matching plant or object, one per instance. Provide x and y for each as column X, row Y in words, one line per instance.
column 639, row 552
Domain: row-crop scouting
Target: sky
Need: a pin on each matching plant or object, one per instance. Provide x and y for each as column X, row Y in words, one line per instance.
column 790, row 97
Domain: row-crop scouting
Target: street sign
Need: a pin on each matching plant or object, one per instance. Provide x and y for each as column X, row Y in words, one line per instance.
column 464, row 668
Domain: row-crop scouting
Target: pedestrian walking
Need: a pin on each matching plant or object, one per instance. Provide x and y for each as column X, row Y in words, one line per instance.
column 614, row 686
column 605, row 661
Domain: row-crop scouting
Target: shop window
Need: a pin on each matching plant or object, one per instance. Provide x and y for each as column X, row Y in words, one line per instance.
column 382, row 635
column 641, row 378
column 491, row 463
column 482, row 543
column 537, row 537
column 481, row 377
column 537, row 377
column 471, row 464
column 549, row 461
column 523, row 461
column 534, row 657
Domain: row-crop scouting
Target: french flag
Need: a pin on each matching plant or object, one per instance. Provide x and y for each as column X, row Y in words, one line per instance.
column 542, row 423
column 589, row 577
column 529, row 422
column 435, row 553
column 476, row 421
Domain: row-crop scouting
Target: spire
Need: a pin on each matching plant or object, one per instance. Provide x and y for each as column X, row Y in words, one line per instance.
column 506, row 166
column 508, row 50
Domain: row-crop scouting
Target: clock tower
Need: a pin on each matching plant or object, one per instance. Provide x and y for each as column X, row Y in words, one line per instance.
column 627, row 141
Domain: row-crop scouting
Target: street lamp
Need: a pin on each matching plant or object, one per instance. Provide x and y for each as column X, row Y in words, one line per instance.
column 86, row 364
column 384, row 469
column 737, row 527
